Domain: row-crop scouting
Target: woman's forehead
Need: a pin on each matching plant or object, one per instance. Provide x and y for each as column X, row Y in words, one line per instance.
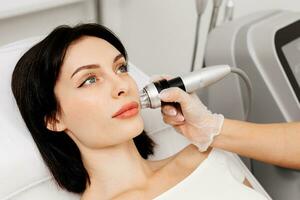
column 89, row 47
column 88, row 50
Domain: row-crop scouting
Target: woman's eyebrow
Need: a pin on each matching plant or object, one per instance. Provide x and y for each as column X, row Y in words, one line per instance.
column 118, row 57
column 93, row 66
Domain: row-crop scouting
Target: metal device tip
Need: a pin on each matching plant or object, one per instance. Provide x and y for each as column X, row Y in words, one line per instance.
column 144, row 99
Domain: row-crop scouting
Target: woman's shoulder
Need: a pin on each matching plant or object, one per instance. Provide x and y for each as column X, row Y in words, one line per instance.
column 182, row 163
column 190, row 157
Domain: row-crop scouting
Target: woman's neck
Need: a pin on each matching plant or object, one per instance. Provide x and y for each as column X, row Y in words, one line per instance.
column 115, row 169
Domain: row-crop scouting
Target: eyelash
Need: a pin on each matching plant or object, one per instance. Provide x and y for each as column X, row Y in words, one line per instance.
column 92, row 76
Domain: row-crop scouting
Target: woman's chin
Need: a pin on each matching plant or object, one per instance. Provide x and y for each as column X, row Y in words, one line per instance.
column 135, row 125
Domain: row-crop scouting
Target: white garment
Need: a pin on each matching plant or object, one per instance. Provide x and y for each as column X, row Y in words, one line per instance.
column 214, row 179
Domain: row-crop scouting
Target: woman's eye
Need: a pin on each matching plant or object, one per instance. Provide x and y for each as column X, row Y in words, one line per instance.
column 89, row 80
column 123, row 68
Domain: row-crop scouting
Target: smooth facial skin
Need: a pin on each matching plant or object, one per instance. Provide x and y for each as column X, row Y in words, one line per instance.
column 92, row 95
column 106, row 144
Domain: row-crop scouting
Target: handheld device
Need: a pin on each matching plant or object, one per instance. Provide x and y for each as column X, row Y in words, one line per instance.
column 189, row 83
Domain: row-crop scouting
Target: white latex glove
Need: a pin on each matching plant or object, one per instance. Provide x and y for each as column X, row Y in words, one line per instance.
column 192, row 119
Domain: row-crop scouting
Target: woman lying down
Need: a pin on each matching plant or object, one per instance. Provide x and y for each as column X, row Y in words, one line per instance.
column 82, row 109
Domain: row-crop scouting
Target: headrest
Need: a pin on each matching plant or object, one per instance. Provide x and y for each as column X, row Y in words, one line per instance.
column 22, row 170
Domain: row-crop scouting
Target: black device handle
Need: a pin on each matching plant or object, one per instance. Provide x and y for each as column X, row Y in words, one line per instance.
column 164, row 84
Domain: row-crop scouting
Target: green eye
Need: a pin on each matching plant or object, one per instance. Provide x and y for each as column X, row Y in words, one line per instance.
column 123, row 68
column 89, row 80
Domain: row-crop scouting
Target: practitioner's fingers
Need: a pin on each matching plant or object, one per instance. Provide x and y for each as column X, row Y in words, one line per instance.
column 172, row 122
column 176, row 119
column 175, row 94
column 169, row 110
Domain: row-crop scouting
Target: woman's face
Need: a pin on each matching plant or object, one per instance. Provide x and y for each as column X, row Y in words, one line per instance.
column 89, row 96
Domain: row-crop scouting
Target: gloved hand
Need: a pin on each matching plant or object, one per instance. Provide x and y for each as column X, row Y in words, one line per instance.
column 192, row 119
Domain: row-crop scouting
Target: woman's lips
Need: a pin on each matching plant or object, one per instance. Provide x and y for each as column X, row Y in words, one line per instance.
column 127, row 110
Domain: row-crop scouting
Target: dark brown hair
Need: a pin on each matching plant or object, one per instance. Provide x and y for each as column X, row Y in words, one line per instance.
column 33, row 82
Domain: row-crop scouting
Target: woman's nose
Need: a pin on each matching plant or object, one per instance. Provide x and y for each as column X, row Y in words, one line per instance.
column 120, row 86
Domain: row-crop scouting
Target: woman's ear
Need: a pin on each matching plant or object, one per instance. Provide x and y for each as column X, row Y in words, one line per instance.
column 54, row 123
